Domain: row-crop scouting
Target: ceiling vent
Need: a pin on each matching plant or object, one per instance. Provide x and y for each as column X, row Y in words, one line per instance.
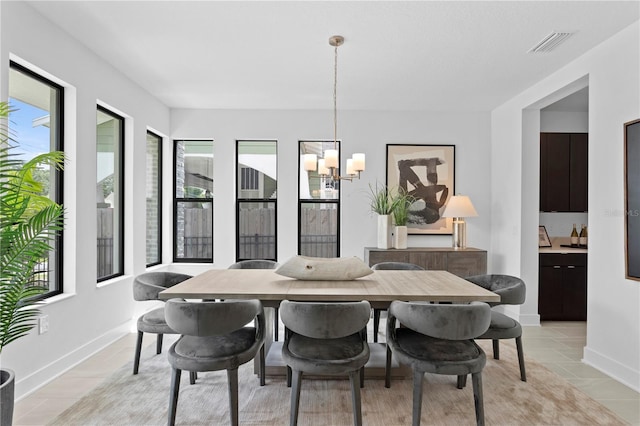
column 549, row 43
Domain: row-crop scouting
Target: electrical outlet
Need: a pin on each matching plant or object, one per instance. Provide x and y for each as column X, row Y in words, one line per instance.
column 43, row 324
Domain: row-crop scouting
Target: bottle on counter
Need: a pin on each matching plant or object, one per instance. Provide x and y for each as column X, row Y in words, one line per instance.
column 582, row 239
column 575, row 239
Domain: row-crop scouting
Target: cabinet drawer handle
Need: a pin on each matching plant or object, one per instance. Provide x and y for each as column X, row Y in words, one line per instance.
column 556, row 267
column 571, row 267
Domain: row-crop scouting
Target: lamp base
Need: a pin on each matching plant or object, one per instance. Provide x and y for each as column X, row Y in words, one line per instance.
column 459, row 234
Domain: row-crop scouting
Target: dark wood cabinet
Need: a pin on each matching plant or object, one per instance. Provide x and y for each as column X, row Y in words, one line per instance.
column 460, row 262
column 563, row 172
column 562, row 290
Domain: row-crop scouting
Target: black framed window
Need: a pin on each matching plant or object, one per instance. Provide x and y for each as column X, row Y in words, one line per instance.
column 193, row 201
column 110, row 193
column 256, row 200
column 318, row 205
column 154, row 199
column 36, row 123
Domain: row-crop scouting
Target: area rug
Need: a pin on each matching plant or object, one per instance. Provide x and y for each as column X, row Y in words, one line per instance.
column 545, row 399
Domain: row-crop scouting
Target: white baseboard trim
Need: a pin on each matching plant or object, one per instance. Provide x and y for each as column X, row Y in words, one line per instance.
column 530, row 319
column 38, row 379
column 612, row 368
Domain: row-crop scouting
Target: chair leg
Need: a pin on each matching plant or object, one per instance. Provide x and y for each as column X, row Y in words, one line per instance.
column 387, row 369
column 496, row 349
column 276, row 324
column 418, row 377
column 173, row 396
column 295, row 397
column 288, row 376
column 193, row 376
column 136, row 360
column 354, row 377
column 232, row 376
column 262, row 366
column 523, row 373
column 476, row 378
column 462, row 381
column 376, row 324
column 159, row 344
column 361, row 370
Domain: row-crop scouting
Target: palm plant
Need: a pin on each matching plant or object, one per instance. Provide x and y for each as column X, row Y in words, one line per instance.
column 29, row 223
column 401, row 206
column 381, row 200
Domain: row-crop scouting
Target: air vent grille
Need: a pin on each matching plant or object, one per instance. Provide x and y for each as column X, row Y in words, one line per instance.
column 549, row 43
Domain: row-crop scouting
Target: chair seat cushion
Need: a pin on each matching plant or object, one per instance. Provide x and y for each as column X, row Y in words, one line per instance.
column 326, row 356
column 502, row 327
column 154, row 322
column 437, row 356
column 210, row 353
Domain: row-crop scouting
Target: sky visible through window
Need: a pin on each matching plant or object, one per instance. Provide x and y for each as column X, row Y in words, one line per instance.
column 30, row 140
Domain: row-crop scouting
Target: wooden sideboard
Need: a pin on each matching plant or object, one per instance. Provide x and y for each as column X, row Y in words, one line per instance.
column 461, row 262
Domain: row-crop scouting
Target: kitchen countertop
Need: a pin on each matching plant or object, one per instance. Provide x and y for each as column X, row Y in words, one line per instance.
column 556, row 248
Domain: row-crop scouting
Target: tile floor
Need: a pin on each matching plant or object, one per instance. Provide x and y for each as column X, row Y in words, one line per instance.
column 557, row 345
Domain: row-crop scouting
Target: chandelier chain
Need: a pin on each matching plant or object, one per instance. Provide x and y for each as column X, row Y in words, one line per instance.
column 335, row 97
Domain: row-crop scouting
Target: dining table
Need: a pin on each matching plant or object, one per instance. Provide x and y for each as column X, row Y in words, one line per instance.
column 379, row 288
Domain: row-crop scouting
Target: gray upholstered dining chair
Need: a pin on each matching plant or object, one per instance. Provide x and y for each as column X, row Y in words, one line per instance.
column 261, row 264
column 215, row 336
column 512, row 291
column 438, row 339
column 389, row 266
column 146, row 286
column 325, row 338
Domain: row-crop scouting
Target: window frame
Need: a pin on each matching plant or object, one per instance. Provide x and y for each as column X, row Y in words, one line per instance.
column 58, row 244
column 177, row 201
column 302, row 201
column 239, row 201
column 158, row 177
column 121, row 189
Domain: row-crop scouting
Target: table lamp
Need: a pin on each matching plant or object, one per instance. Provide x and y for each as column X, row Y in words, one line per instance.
column 458, row 207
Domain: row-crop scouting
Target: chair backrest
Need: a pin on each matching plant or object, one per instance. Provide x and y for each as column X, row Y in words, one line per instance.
column 212, row 318
column 255, row 264
column 325, row 320
column 147, row 286
column 444, row 321
column 512, row 290
column 396, row 266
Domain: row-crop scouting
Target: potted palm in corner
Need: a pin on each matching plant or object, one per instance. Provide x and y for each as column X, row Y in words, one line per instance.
column 29, row 223
column 401, row 205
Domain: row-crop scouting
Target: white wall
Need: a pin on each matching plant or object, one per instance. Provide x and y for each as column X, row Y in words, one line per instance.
column 360, row 131
column 611, row 71
column 87, row 316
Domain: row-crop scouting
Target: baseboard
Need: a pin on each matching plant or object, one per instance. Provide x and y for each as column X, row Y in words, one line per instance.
column 38, row 379
column 530, row 319
column 612, row 368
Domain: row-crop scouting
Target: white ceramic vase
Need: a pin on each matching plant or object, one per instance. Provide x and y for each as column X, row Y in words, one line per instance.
column 384, row 231
column 400, row 237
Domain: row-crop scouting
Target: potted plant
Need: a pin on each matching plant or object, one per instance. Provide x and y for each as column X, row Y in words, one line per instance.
column 29, row 223
column 382, row 202
column 401, row 205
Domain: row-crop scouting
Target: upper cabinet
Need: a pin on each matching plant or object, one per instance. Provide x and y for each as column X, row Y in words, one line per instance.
column 563, row 172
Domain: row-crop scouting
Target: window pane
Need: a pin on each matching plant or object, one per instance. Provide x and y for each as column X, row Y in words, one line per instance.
column 194, row 169
column 154, row 201
column 319, row 229
column 312, row 184
column 110, row 184
column 194, row 233
column 36, row 125
column 193, row 207
column 257, row 165
column 257, row 230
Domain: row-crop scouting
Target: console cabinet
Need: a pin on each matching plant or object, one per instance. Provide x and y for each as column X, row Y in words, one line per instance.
column 562, row 290
column 461, row 262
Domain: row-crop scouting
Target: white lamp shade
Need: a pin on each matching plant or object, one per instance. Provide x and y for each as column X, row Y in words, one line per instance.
column 358, row 162
column 459, row 206
column 331, row 158
column 322, row 168
column 310, row 162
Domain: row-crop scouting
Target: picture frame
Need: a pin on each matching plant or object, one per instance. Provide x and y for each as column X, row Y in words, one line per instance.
column 543, row 237
column 632, row 199
column 426, row 172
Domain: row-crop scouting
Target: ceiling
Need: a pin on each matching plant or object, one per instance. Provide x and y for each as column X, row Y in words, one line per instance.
column 414, row 55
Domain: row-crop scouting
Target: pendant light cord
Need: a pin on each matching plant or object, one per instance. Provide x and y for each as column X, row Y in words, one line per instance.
column 335, row 96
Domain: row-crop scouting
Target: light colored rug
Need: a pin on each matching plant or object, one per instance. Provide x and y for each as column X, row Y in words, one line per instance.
column 546, row 399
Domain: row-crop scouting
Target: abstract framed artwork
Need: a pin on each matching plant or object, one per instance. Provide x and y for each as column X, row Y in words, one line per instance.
column 632, row 198
column 427, row 173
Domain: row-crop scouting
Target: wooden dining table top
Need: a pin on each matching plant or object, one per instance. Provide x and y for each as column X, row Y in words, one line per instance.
column 381, row 286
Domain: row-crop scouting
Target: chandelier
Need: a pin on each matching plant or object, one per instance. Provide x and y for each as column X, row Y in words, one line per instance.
column 329, row 165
